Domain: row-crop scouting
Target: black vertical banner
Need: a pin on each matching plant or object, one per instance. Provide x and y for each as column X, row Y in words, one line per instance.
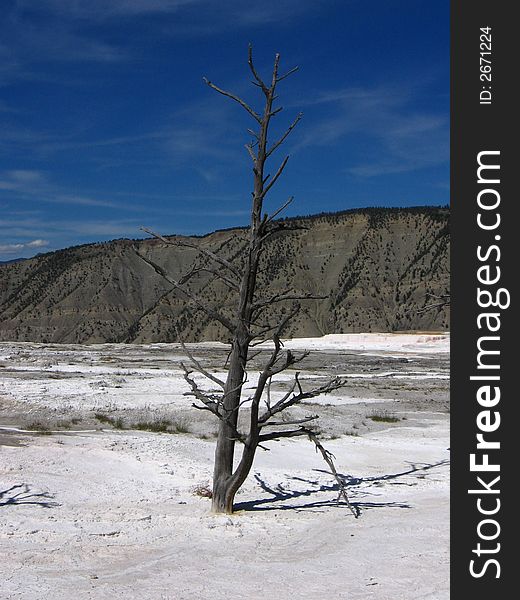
column 485, row 262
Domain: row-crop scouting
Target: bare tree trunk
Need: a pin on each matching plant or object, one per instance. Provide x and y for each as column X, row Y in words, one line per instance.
column 225, row 484
column 225, row 451
column 246, row 324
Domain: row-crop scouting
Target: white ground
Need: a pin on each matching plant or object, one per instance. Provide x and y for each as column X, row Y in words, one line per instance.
column 122, row 521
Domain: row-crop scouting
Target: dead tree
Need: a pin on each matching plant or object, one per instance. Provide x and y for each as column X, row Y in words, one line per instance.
column 250, row 325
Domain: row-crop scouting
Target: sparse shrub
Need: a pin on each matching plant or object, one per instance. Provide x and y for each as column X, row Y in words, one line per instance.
column 103, row 418
column 116, row 422
column 202, row 490
column 159, row 426
column 384, row 417
column 39, row 428
column 182, row 426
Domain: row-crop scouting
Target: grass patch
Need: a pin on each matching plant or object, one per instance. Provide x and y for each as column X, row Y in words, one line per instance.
column 384, row 418
column 160, row 426
column 182, row 426
column 105, row 419
column 39, row 428
column 116, row 422
column 164, row 426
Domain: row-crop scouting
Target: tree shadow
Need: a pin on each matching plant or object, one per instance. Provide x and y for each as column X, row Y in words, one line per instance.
column 21, row 494
column 281, row 497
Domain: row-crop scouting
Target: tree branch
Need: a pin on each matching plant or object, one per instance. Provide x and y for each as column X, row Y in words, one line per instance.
column 217, row 275
column 198, row 366
column 276, row 435
column 282, row 298
column 211, row 402
column 289, row 400
column 275, row 178
column 205, row 251
column 250, row 150
column 211, row 312
column 290, row 72
column 284, row 136
column 282, row 228
column 276, row 110
column 279, row 210
column 328, row 458
column 259, row 80
column 295, row 422
column 255, row 115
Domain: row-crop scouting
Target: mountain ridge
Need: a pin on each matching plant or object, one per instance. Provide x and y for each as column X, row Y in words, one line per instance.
column 377, row 268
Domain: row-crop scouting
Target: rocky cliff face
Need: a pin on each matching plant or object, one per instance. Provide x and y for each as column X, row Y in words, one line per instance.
column 375, row 268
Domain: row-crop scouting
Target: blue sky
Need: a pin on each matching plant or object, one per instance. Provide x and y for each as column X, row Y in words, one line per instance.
column 106, row 124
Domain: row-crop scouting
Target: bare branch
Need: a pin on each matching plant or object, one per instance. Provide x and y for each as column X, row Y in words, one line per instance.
column 184, row 244
column 276, row 435
column 284, row 136
column 211, row 312
column 267, row 374
column 211, row 402
column 255, row 115
column 249, row 148
column 268, row 399
column 282, row 298
column 295, row 422
column 198, row 366
column 283, row 228
column 275, row 72
column 285, row 397
column 259, row 80
column 278, row 328
column 275, row 111
column 253, row 355
column 290, row 72
column 289, row 400
column 279, row 210
column 217, row 275
column 327, row 457
column 275, row 178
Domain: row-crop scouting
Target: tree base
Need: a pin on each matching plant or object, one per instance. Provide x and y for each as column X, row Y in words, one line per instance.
column 222, row 500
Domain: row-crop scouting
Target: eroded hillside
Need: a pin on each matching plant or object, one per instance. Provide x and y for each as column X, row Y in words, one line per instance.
column 375, row 268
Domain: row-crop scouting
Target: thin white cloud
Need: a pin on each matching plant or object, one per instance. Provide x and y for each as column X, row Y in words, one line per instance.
column 21, row 246
column 102, row 9
column 43, row 229
column 198, row 13
column 36, row 186
column 399, row 137
column 76, row 30
column 20, row 180
column 6, row 108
